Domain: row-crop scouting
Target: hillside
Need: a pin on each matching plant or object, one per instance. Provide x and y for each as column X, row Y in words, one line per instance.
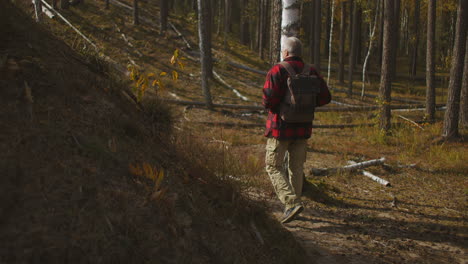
column 214, row 186
column 67, row 194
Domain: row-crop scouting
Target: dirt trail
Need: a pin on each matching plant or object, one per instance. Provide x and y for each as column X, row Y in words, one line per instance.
column 358, row 223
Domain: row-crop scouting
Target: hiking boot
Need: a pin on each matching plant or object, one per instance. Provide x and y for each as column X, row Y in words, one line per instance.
column 291, row 213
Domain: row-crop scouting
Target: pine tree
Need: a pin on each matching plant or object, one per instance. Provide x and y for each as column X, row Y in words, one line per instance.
column 450, row 129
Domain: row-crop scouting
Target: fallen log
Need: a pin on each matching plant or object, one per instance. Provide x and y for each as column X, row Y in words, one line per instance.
column 348, row 168
column 411, row 122
column 398, row 99
column 218, row 77
column 70, row 24
column 375, row 178
column 180, row 35
column 372, row 176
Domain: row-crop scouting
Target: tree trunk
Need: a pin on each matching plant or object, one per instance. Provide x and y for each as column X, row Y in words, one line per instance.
column 430, row 65
column 396, row 36
column 371, row 39
column 312, row 32
column 275, row 32
column 244, row 28
column 261, row 31
column 357, row 59
column 328, row 26
column 289, row 20
column 64, row 4
column 342, row 42
column 414, row 56
column 456, row 73
column 330, row 39
column 385, row 77
column 227, row 20
column 381, row 32
column 352, row 49
column 464, row 91
column 204, row 32
column 136, row 20
column 163, row 4
column 317, row 33
column 107, row 3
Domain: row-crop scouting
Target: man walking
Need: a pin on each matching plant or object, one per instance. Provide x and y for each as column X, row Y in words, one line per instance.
column 290, row 136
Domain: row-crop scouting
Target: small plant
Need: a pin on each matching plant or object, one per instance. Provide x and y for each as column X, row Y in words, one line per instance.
column 142, row 81
column 156, row 176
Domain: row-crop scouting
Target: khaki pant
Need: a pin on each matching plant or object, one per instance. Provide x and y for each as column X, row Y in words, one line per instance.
column 288, row 190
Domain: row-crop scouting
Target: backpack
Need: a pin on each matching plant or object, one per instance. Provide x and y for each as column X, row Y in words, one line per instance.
column 300, row 100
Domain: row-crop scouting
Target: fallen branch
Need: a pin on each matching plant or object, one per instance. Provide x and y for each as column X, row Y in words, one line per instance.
column 372, row 176
column 217, row 77
column 180, row 35
column 352, row 167
column 411, row 122
column 70, row 24
column 398, row 99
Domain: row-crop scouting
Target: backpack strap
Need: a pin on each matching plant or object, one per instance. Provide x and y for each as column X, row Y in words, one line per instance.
column 306, row 69
column 288, row 68
column 292, row 73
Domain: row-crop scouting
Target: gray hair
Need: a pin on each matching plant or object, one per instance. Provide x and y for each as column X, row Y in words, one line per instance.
column 293, row 45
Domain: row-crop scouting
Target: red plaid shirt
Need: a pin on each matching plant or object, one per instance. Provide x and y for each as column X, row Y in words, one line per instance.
column 273, row 92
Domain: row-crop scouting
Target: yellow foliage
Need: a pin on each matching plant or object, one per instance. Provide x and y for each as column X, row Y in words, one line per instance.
column 175, row 75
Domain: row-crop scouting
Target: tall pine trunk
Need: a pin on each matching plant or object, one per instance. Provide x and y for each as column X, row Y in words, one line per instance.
column 312, row 31
column 317, row 32
column 430, row 65
column 464, row 91
column 414, row 56
column 328, row 20
column 352, row 48
column 342, row 42
column 381, row 32
column 396, row 36
column 456, row 73
column 204, row 32
column 164, row 10
column 136, row 20
column 385, row 75
column 275, row 39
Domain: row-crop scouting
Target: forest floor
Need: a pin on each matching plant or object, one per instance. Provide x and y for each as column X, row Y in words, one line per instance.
column 420, row 218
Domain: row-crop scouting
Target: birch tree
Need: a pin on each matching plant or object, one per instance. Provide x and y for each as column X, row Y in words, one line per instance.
column 450, row 129
column 371, row 39
column 289, row 20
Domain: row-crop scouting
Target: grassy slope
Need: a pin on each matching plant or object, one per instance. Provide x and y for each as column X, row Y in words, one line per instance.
column 66, row 191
